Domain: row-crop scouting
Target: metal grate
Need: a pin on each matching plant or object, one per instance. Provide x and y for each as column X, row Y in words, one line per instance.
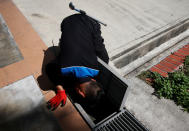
column 124, row 121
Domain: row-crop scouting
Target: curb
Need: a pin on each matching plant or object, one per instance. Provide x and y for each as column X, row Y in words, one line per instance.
column 172, row 62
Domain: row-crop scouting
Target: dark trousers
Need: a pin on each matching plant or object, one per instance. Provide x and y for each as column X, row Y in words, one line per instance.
column 53, row 71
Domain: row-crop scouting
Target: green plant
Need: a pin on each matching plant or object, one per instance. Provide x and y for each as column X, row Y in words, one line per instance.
column 145, row 74
column 175, row 86
column 179, row 78
column 186, row 66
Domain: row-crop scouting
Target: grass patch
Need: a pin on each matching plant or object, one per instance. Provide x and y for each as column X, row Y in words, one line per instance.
column 174, row 87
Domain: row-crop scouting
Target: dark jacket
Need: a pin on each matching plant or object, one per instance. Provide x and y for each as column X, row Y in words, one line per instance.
column 81, row 42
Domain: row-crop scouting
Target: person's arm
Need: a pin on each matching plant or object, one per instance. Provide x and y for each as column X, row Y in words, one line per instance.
column 99, row 42
column 53, row 72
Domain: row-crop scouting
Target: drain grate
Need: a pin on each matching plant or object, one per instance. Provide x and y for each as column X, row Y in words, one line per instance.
column 124, row 121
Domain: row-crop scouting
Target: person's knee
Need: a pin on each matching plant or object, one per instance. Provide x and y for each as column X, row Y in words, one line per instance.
column 53, row 73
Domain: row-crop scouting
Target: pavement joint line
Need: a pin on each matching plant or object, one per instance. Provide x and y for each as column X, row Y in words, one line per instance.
column 171, row 70
column 153, row 115
column 159, row 69
column 136, row 64
column 175, row 57
column 154, row 34
column 27, row 40
column 186, row 46
column 186, row 49
column 184, row 52
column 154, row 69
column 179, row 54
column 162, row 67
column 172, row 57
column 170, row 65
column 171, row 62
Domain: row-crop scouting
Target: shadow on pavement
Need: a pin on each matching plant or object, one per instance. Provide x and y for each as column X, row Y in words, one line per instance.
column 49, row 55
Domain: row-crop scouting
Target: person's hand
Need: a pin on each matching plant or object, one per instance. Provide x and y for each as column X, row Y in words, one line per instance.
column 56, row 100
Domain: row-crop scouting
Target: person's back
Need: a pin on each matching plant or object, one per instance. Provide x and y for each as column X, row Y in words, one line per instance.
column 81, row 42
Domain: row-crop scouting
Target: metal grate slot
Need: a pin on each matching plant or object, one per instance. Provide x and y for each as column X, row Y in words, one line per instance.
column 105, row 128
column 109, row 127
column 124, row 121
column 129, row 124
column 117, row 126
column 113, row 126
column 101, row 129
column 125, row 125
column 122, row 124
column 138, row 125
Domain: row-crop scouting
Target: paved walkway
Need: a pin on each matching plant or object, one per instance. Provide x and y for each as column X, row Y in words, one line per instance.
column 156, row 114
column 124, row 20
column 129, row 21
column 171, row 62
column 23, row 108
column 32, row 48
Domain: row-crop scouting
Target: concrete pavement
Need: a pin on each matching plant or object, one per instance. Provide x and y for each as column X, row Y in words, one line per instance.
column 156, row 114
column 35, row 55
column 128, row 21
column 22, row 108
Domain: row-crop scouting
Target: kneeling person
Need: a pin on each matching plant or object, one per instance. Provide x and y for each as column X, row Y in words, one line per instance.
column 77, row 65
